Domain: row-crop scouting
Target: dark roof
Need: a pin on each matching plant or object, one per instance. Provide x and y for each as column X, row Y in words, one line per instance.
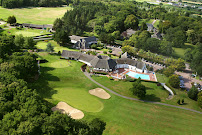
column 86, row 57
column 138, row 64
column 103, row 57
column 105, row 64
column 37, row 26
column 87, row 39
column 71, row 54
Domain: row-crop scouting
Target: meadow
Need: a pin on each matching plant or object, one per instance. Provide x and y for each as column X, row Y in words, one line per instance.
column 63, row 80
column 35, row 15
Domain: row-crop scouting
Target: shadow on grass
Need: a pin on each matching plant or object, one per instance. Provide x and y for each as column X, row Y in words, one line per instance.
column 151, row 97
column 42, row 85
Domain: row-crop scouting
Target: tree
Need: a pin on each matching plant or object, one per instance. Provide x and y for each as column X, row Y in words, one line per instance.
column 138, row 89
column 178, row 102
column 169, row 71
column 199, row 100
column 61, row 36
column 191, row 36
column 128, row 49
column 11, row 19
column 29, row 43
column 174, row 81
column 153, row 45
column 188, row 54
column 131, row 22
column 192, row 93
column 57, row 24
column 49, row 47
column 19, row 41
column 97, row 126
column 143, row 26
column 166, row 48
column 183, row 101
column 196, row 61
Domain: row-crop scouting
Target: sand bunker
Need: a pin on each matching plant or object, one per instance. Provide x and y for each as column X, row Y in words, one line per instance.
column 98, row 92
column 67, row 109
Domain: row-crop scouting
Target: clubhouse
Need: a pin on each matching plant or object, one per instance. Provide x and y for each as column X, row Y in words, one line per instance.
column 105, row 63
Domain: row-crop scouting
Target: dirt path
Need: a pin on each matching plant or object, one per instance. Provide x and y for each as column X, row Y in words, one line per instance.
column 135, row 99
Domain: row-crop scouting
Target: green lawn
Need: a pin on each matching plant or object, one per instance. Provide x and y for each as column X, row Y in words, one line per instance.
column 179, row 52
column 38, row 15
column 64, row 81
column 154, row 92
column 25, row 32
column 57, row 47
column 180, row 94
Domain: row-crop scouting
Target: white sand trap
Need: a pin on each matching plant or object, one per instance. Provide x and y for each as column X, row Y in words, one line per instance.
column 67, row 109
column 98, row 92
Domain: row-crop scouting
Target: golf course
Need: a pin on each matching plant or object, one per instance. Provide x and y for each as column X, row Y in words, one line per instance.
column 63, row 80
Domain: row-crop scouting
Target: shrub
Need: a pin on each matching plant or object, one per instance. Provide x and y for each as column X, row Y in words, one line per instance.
column 105, row 52
column 110, row 51
column 94, row 46
column 182, row 101
column 169, row 71
column 192, row 93
column 110, row 55
column 111, row 78
column 59, row 53
column 178, row 102
column 174, row 81
column 129, row 79
column 138, row 89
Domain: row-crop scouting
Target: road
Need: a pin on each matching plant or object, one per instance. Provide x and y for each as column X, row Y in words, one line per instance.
column 135, row 99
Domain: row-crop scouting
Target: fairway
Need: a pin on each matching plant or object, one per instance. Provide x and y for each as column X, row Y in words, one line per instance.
column 37, row 15
column 122, row 116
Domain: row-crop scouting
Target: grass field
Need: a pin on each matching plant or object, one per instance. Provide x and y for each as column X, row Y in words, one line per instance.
column 40, row 15
column 154, row 92
column 68, row 83
column 57, row 47
column 25, row 32
column 179, row 52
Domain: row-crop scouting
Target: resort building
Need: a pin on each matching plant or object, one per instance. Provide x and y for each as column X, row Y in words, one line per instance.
column 105, row 63
column 82, row 42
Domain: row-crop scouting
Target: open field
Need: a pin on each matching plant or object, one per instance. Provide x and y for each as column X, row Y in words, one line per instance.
column 25, row 32
column 57, row 47
column 179, row 52
column 38, row 15
column 122, row 116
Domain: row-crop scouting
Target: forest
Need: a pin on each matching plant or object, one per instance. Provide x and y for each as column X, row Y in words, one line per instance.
column 23, row 111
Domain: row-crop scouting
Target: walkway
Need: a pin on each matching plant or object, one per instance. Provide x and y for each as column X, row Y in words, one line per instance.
column 135, row 99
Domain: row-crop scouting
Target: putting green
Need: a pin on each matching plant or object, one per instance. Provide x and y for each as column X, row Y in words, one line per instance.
column 79, row 99
column 60, row 64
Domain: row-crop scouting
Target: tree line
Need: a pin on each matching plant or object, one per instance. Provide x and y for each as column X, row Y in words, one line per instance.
column 33, row 3
column 23, row 111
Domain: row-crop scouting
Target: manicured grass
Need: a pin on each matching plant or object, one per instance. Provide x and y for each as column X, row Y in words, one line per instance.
column 179, row 52
column 26, row 32
column 38, row 15
column 180, row 94
column 57, row 47
column 122, row 116
column 154, row 92
column 156, row 23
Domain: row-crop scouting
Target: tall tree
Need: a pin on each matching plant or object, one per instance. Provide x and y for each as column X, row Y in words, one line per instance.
column 131, row 21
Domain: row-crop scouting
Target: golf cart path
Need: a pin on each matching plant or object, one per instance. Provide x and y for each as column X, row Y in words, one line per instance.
column 135, row 99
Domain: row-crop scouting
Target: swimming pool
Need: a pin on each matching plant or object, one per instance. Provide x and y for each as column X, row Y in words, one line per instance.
column 136, row 75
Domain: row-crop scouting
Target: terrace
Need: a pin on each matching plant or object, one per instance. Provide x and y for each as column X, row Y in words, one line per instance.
column 122, row 72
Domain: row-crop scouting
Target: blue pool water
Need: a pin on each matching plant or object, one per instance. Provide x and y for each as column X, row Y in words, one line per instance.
column 136, row 75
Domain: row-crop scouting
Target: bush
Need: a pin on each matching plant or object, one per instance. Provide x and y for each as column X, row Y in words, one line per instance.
column 129, row 79
column 110, row 55
column 138, row 89
column 192, row 93
column 169, row 71
column 174, row 81
column 182, row 101
column 178, row 102
column 110, row 51
column 111, row 78
column 105, row 52
column 59, row 53
column 94, row 46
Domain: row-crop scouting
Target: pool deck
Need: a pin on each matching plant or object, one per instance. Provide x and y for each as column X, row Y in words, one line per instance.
column 119, row 73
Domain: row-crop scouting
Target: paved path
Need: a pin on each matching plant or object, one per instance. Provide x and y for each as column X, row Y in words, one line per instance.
column 135, row 99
